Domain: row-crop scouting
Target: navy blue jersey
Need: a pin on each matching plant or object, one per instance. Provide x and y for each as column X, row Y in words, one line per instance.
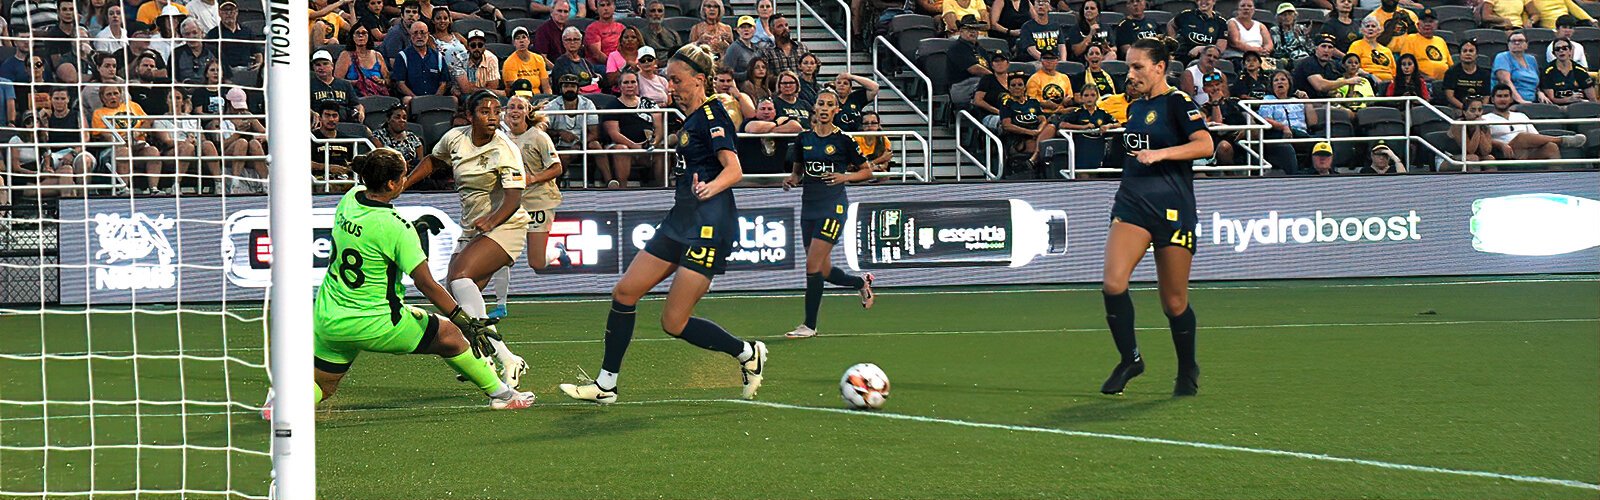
column 819, row 156
column 1131, row 30
column 1155, row 123
column 706, row 131
column 1196, row 29
column 848, row 118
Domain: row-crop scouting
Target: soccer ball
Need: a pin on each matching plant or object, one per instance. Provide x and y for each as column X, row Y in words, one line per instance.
column 864, row 386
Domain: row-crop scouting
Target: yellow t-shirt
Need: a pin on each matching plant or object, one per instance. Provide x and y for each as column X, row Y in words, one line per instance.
column 127, row 109
column 1384, row 17
column 1115, row 105
column 332, row 19
column 483, row 173
column 151, row 10
column 533, row 70
column 1378, row 60
column 1550, row 10
column 538, row 155
column 1433, row 55
column 869, row 145
column 1511, row 10
column 1053, row 89
column 974, row 8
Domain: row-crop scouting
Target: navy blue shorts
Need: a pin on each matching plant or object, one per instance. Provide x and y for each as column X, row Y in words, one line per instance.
column 1175, row 227
column 825, row 229
column 708, row 257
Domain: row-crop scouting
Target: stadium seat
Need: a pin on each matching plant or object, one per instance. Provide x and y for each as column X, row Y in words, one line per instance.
column 931, row 57
column 1159, row 16
column 1118, row 71
column 378, row 104
column 246, row 77
column 432, row 131
column 1541, row 111
column 1309, row 15
column 1064, row 19
column 1455, row 18
column 512, row 9
column 1071, row 68
column 334, row 50
column 1490, row 41
column 1441, row 140
column 429, row 108
column 909, row 30
column 1586, row 34
column 501, row 50
column 602, row 101
column 682, row 25
column 530, row 23
column 375, row 119
column 466, row 25
column 252, row 26
column 634, row 22
column 1265, row 16
column 1110, row 17
column 692, row 7
column 1536, row 35
column 1025, row 67
column 348, row 129
column 582, row 23
column 1584, row 109
column 1173, row 5
column 1424, row 120
column 1381, row 121
column 7, row 52
column 995, row 45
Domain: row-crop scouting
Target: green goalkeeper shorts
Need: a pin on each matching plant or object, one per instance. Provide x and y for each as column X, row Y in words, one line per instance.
column 414, row 332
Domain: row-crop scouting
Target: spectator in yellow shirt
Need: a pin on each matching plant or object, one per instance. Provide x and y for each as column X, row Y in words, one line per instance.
column 525, row 64
column 1115, row 105
column 1052, row 88
column 1375, row 58
column 151, row 10
column 956, row 10
column 1544, row 13
column 1432, row 53
column 1393, row 20
column 878, row 150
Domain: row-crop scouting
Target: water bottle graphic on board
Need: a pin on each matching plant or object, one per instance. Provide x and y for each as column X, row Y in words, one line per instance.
column 1539, row 224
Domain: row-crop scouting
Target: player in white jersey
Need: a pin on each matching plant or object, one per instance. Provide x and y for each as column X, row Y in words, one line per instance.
column 490, row 179
column 526, row 127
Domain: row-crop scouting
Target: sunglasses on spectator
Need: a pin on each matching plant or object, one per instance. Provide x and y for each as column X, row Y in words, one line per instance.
column 869, row 123
column 475, row 45
column 1561, row 48
column 1214, row 77
column 646, row 59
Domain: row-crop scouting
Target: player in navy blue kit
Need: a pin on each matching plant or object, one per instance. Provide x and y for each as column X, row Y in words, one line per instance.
column 691, row 245
column 824, row 161
column 1155, row 206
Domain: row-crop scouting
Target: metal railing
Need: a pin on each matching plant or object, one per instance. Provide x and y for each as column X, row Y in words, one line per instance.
column 843, row 39
column 327, row 182
column 1257, row 162
column 905, row 173
column 583, row 136
column 877, row 73
column 992, row 145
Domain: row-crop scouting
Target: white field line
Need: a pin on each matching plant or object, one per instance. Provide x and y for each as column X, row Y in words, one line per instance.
column 1004, row 427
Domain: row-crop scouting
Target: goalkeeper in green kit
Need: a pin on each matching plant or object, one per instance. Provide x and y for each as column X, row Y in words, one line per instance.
column 359, row 306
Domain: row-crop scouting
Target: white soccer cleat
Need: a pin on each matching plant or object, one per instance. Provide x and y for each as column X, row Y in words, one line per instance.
column 517, row 401
column 753, row 368
column 589, row 392
column 512, row 371
column 801, row 332
column 867, row 297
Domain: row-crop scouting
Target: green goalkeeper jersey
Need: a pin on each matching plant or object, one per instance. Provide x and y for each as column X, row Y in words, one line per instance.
column 373, row 247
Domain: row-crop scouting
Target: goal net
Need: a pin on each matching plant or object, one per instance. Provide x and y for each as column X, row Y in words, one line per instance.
column 135, row 351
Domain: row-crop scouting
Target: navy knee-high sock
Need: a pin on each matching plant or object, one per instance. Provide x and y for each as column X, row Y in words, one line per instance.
column 813, row 298
column 619, row 332
column 1183, row 338
column 707, row 335
column 1119, row 316
column 838, row 277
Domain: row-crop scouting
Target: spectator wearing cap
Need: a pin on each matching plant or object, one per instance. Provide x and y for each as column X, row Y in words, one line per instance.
column 603, row 35
column 711, row 30
column 1563, row 81
column 1040, row 34
column 1466, row 80
column 572, row 62
column 744, row 48
column 244, row 136
column 955, row 14
column 398, row 38
column 1290, row 40
column 1546, row 13
column 1190, row 80
column 1565, row 26
column 991, row 90
column 326, row 88
column 362, row 66
column 114, row 36
column 1194, row 29
column 547, row 39
column 1376, row 58
column 167, row 31
column 1383, row 161
column 1052, row 88
column 967, row 59
column 240, row 47
column 1244, row 33
column 1251, row 82
column 482, row 68
column 1431, row 51
column 1518, row 70
column 625, row 59
column 656, row 34
column 526, row 65
column 520, row 88
column 205, row 12
column 651, row 83
column 580, row 131
column 189, row 62
column 420, row 70
column 1322, row 159
column 152, row 9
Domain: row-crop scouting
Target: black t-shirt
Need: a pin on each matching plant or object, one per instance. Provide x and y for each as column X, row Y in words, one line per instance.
column 1096, row 119
column 1131, row 30
column 964, row 55
column 1311, row 66
column 1155, row 123
column 1025, row 113
column 1344, row 33
column 1252, row 87
column 1196, row 29
column 1564, row 85
column 339, row 91
column 236, row 51
column 1078, row 33
column 799, row 110
column 1042, row 37
column 848, row 118
column 152, row 97
column 1468, row 85
column 994, row 92
column 634, row 126
column 65, row 127
column 335, row 153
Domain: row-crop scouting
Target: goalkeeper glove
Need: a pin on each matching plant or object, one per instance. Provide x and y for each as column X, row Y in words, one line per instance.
column 477, row 331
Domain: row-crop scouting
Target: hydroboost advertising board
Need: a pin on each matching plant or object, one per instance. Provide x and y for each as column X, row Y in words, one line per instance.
column 928, row 234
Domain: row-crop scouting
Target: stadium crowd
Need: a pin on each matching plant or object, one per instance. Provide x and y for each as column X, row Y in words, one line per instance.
column 163, row 86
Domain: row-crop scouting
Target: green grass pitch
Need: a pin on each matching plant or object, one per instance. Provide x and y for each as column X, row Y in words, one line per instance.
column 1417, row 388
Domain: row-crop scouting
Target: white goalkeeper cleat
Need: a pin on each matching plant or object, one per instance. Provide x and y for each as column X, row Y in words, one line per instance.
column 511, row 371
column 753, row 368
column 801, row 332
column 589, row 392
column 518, row 400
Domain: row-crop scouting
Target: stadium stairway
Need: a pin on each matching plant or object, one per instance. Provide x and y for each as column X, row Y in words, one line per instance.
column 892, row 109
